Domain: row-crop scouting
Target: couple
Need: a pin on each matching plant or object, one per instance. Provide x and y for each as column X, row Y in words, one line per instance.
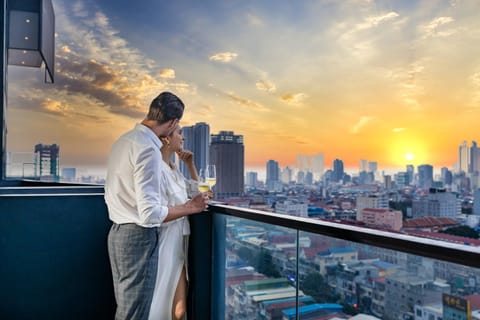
column 148, row 203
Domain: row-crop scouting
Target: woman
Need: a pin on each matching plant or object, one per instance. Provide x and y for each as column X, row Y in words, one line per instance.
column 170, row 293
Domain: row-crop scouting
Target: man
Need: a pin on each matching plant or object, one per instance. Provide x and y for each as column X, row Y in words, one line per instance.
column 137, row 209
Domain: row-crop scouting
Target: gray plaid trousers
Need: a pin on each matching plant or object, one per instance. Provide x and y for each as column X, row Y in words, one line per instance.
column 133, row 253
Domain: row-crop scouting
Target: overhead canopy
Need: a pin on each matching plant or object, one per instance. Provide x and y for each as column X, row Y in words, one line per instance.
column 31, row 32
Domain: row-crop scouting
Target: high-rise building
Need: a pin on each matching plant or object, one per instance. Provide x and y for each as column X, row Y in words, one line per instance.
column 287, row 175
column 402, row 179
column 309, row 178
column 317, row 165
column 303, row 162
column 338, row 171
column 301, row 177
column 47, row 157
column 387, row 181
column 411, row 174
column 446, row 176
column 476, row 202
column 252, row 179
column 228, row 154
column 197, row 140
column 425, row 176
column 363, row 165
column 273, row 174
column 463, row 157
column 437, row 203
column 474, row 158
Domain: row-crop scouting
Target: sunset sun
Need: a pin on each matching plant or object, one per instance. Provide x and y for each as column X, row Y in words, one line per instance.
column 409, row 156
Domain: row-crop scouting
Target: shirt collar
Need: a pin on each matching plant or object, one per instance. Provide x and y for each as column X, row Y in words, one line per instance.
column 156, row 140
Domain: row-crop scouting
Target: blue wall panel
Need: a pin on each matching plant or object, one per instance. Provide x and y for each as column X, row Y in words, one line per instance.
column 53, row 258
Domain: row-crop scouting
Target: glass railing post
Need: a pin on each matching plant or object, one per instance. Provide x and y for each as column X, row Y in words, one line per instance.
column 200, row 266
column 3, row 129
column 218, row 266
column 297, row 279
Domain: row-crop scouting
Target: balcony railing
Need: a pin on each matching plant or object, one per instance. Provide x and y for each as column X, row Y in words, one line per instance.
column 259, row 257
column 243, row 263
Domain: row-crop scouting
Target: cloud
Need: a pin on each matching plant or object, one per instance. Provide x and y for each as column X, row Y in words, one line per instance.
column 254, row 20
column 265, row 85
column 167, row 73
column 93, row 62
column 435, row 28
column 376, row 20
column 65, row 49
column 397, row 130
column 247, row 103
column 205, row 110
column 293, row 98
column 368, row 23
column 362, row 122
column 224, row 57
column 408, row 80
column 475, row 83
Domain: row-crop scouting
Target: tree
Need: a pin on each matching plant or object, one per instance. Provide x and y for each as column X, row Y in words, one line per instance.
column 315, row 286
column 265, row 264
column 245, row 254
column 462, row 231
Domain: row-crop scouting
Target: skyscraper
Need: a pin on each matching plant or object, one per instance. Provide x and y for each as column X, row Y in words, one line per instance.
column 228, row 154
column 303, row 162
column 309, row 178
column 446, row 176
column 287, row 175
column 47, row 161
column 197, row 140
column 273, row 174
column 411, row 174
column 476, row 202
column 317, row 165
column 337, row 170
column 252, row 179
column 463, row 157
column 363, row 165
column 474, row 158
column 425, row 176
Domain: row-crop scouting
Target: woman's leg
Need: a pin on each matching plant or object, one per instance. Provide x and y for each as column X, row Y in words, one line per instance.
column 180, row 298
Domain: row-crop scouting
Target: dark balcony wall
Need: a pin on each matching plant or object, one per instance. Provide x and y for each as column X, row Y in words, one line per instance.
column 53, row 257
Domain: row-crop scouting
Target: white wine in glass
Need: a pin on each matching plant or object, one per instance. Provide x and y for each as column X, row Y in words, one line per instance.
column 203, row 186
column 211, row 175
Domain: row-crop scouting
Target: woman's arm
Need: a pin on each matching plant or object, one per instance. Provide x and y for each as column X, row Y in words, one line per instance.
column 187, row 157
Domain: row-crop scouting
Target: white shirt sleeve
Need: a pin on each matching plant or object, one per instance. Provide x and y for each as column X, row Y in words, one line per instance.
column 152, row 207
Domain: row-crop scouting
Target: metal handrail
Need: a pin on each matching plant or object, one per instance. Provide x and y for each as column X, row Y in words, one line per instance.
column 446, row 251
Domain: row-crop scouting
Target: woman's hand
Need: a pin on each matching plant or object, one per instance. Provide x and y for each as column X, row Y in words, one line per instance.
column 185, row 155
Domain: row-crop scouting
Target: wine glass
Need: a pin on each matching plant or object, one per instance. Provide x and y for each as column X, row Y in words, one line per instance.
column 211, row 175
column 203, row 186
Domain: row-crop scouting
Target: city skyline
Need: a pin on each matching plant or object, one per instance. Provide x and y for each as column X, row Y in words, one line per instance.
column 392, row 82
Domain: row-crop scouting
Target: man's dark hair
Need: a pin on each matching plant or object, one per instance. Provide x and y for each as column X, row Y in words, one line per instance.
column 165, row 107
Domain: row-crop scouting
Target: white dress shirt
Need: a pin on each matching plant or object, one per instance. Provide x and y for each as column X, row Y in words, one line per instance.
column 134, row 179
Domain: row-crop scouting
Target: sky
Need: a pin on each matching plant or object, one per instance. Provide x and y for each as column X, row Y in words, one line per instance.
column 395, row 82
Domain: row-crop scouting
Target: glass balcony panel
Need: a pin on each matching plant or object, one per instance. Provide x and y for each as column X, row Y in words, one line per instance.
column 338, row 278
column 345, row 279
column 260, row 269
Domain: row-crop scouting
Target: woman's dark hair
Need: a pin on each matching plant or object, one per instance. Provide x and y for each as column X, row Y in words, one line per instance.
column 165, row 107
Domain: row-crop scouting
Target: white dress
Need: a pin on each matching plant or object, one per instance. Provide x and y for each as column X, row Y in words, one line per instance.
column 173, row 246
